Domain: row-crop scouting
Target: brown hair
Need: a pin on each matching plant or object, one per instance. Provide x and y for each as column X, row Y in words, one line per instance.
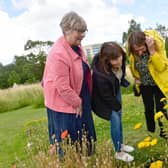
column 137, row 38
column 109, row 51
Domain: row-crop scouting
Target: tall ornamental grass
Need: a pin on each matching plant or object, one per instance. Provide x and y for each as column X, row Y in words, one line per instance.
column 21, row 96
column 25, row 95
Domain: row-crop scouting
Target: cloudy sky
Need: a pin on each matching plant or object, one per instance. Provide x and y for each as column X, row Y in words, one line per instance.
column 22, row 20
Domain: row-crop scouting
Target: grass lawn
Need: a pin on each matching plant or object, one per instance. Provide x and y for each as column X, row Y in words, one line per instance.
column 13, row 139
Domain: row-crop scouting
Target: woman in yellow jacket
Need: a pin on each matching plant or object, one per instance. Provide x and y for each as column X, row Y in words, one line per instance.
column 149, row 67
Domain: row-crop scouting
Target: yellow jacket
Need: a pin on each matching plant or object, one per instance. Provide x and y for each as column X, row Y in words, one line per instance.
column 158, row 63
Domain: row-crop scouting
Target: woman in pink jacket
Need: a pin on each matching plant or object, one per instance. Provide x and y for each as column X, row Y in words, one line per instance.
column 67, row 86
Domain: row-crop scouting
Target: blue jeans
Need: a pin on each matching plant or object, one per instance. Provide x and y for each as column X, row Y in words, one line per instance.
column 116, row 127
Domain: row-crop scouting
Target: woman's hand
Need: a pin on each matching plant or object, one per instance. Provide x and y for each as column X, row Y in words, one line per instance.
column 78, row 111
column 150, row 44
column 137, row 81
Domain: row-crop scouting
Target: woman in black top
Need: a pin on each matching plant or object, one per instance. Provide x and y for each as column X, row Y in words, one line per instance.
column 108, row 74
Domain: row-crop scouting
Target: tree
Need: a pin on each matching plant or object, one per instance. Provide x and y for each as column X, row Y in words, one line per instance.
column 13, row 78
column 133, row 27
column 26, row 68
column 164, row 33
column 20, row 62
column 162, row 30
column 1, row 65
column 166, row 45
column 37, row 46
column 4, row 75
column 38, row 51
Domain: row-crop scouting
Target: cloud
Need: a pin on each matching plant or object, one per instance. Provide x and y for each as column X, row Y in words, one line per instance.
column 40, row 21
column 11, row 38
column 21, row 4
column 123, row 2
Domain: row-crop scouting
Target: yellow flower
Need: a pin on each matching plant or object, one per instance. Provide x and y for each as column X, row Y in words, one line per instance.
column 158, row 115
column 143, row 144
column 147, row 138
column 146, row 144
column 166, row 106
column 163, row 99
column 153, row 142
column 138, row 125
column 157, row 164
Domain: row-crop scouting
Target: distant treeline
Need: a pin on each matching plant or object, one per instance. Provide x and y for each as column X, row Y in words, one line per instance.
column 25, row 68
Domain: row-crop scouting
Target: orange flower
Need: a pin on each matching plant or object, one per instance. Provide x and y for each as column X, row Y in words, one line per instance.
column 13, row 166
column 64, row 134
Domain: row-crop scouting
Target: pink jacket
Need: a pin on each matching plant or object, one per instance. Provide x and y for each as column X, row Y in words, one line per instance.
column 62, row 78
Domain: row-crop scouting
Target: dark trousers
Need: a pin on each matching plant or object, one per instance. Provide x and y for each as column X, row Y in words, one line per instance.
column 151, row 96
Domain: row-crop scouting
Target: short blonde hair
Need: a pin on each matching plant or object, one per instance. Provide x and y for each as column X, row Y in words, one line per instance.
column 72, row 21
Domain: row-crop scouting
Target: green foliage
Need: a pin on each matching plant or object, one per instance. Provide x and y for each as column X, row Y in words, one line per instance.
column 166, row 45
column 30, row 67
column 162, row 30
column 30, row 126
column 126, row 90
column 13, row 140
column 26, row 68
column 13, row 78
column 1, row 66
column 3, row 80
column 24, row 135
column 36, row 44
column 4, row 75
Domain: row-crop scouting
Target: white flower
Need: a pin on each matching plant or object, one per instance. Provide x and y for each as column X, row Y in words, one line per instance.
column 29, row 144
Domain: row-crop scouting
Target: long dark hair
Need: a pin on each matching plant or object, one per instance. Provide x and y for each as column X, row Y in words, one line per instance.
column 109, row 51
column 137, row 38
